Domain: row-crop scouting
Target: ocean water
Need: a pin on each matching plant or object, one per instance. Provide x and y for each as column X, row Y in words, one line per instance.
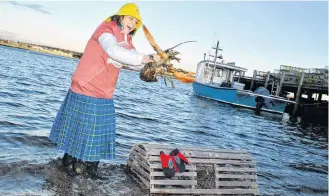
column 292, row 159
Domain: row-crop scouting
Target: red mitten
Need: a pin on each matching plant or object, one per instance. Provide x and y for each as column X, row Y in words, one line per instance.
column 180, row 160
column 167, row 164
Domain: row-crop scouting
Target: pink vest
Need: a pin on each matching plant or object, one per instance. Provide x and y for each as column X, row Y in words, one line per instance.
column 94, row 76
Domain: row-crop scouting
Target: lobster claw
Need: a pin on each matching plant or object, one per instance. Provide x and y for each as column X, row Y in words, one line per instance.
column 155, row 46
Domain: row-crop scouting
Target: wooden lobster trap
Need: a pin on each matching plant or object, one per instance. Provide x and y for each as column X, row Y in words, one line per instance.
column 209, row 172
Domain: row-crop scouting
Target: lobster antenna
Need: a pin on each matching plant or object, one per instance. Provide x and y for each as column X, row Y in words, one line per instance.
column 179, row 44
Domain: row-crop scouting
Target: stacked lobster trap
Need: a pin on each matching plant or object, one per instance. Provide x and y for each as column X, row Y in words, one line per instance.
column 209, row 172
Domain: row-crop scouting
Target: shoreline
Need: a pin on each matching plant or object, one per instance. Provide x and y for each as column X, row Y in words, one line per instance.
column 60, row 52
column 40, row 49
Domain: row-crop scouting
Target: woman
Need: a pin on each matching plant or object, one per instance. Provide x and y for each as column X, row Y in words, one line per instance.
column 84, row 127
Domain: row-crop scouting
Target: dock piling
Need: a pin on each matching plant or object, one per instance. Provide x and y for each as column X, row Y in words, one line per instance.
column 278, row 89
column 253, row 80
column 267, row 79
column 319, row 97
column 273, row 83
column 239, row 76
column 299, row 91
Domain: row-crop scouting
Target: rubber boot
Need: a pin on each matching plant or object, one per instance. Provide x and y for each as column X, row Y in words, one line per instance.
column 67, row 160
column 79, row 167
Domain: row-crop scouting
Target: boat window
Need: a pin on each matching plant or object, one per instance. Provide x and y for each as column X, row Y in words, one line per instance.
column 219, row 72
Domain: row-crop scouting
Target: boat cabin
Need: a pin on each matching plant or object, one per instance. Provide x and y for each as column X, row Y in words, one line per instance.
column 219, row 74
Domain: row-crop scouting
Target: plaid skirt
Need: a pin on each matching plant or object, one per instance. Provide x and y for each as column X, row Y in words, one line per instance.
column 85, row 127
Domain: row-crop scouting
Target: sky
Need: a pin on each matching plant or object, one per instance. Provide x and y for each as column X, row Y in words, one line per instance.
column 257, row 35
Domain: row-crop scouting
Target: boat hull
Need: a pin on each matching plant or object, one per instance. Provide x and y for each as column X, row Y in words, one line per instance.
column 235, row 97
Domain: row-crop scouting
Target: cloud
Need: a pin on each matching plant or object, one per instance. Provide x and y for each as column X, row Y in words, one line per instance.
column 35, row 7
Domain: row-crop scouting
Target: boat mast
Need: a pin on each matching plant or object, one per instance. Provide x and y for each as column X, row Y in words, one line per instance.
column 215, row 58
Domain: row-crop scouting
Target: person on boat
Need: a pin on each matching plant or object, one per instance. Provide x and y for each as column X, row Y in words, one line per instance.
column 85, row 127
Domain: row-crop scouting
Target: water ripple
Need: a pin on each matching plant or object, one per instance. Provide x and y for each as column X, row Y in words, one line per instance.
column 291, row 159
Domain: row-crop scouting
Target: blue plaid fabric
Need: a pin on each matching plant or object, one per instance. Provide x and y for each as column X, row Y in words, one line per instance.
column 85, row 127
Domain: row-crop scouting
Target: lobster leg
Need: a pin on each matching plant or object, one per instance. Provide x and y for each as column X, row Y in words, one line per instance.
column 164, row 78
column 171, row 82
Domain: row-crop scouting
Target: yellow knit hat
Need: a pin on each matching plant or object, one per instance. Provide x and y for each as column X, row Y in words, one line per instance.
column 129, row 9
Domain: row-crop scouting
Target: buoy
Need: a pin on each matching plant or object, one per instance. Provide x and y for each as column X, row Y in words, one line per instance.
column 180, row 76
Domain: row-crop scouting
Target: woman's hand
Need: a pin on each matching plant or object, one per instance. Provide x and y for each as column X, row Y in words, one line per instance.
column 150, row 58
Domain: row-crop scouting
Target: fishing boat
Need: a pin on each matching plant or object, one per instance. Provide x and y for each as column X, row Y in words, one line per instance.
column 215, row 80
